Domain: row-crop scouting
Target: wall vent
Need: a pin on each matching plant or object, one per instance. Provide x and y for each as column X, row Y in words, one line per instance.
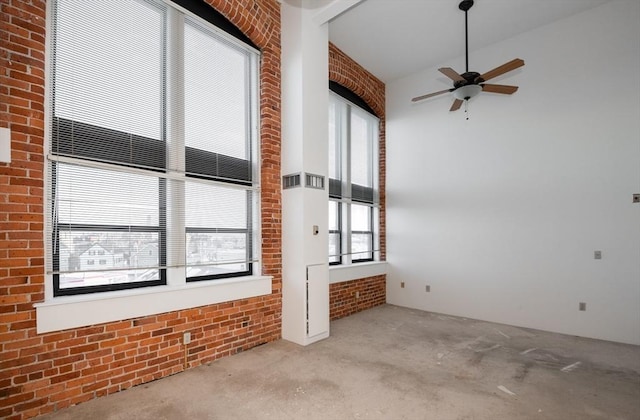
column 290, row 181
column 314, row 181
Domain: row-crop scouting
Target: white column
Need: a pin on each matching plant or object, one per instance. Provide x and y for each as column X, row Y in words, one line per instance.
column 305, row 102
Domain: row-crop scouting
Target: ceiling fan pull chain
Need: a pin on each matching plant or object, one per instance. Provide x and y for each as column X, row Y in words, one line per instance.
column 466, row 109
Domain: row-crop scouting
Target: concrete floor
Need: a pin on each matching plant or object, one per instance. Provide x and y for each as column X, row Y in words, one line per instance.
column 396, row 363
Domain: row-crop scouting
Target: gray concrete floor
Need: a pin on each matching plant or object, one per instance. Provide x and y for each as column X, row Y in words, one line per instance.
column 397, row 363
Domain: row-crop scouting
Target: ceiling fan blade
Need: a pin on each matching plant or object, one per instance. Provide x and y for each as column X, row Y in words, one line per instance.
column 506, row 89
column 429, row 95
column 451, row 74
column 456, row 105
column 506, row 67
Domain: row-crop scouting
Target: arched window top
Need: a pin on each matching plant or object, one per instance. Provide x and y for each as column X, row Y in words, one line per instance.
column 211, row 15
column 351, row 96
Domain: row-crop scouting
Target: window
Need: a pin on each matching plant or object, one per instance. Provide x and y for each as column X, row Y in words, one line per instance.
column 353, row 182
column 153, row 160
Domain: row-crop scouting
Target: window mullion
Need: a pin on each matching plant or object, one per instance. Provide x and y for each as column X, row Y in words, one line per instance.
column 175, row 138
column 254, row 246
column 372, row 230
column 345, row 149
column 345, row 137
column 372, row 134
column 375, row 169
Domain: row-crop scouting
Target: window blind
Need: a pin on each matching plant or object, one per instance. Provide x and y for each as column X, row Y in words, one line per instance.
column 352, row 137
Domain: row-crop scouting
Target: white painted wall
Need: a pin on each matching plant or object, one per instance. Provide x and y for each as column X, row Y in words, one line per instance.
column 501, row 214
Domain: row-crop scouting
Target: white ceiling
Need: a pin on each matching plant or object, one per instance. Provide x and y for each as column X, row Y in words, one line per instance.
column 395, row 38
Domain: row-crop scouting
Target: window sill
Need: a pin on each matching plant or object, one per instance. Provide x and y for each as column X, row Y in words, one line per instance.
column 79, row 311
column 340, row 273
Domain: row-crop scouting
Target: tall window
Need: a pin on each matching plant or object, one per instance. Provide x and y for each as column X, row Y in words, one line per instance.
column 353, row 183
column 153, row 161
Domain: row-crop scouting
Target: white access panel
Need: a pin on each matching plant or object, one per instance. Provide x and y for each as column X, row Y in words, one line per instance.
column 317, row 300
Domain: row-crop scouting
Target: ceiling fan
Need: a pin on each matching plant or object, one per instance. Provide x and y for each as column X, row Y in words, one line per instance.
column 469, row 84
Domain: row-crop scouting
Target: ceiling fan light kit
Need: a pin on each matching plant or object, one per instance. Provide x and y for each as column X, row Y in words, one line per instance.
column 470, row 83
column 467, row 92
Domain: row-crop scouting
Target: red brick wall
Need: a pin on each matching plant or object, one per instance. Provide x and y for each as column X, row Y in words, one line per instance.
column 46, row 372
column 343, row 70
column 372, row 290
column 349, row 297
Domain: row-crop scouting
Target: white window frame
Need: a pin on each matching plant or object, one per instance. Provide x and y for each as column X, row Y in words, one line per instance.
column 57, row 313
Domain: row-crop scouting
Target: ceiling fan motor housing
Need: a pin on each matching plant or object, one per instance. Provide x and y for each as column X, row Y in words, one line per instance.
column 470, row 78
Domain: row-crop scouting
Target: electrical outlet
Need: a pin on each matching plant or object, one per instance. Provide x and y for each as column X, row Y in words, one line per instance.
column 357, row 294
column 427, row 288
column 582, row 306
column 402, row 285
column 597, row 255
column 186, row 338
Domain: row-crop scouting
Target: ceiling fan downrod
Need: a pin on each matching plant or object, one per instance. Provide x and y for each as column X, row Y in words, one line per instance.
column 465, row 5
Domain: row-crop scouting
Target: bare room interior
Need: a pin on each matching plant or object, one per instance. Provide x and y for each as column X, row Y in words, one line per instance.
column 320, row 209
